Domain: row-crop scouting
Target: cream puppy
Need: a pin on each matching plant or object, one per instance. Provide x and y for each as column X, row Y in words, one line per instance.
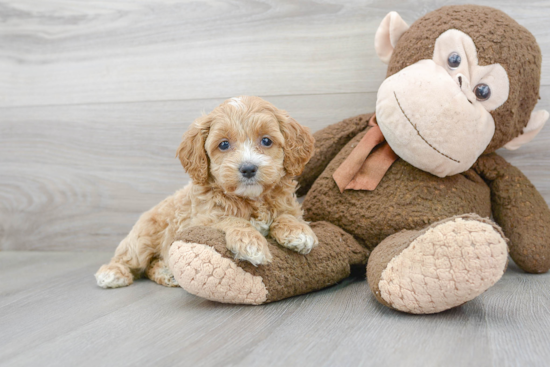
column 242, row 159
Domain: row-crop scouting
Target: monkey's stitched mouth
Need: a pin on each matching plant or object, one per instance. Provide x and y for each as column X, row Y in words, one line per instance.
column 418, row 132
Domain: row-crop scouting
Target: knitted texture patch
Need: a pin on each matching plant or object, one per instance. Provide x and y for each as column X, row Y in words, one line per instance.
column 202, row 271
column 445, row 267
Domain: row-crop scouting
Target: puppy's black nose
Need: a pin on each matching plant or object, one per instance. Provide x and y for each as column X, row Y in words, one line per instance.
column 248, row 170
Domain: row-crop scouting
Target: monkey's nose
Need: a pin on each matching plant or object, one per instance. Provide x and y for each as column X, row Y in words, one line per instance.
column 248, row 170
column 464, row 85
column 462, row 81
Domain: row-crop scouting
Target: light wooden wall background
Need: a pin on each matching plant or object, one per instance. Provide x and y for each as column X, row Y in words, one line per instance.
column 95, row 95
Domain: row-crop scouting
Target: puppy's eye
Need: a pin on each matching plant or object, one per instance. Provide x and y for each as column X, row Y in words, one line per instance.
column 266, row 142
column 482, row 92
column 454, row 60
column 224, row 145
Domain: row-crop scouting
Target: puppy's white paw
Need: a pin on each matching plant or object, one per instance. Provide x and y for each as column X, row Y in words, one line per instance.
column 110, row 279
column 296, row 236
column 249, row 246
column 254, row 255
column 301, row 243
column 113, row 275
column 159, row 272
column 166, row 278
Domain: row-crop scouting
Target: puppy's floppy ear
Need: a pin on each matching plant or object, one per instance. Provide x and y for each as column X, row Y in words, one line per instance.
column 192, row 152
column 299, row 144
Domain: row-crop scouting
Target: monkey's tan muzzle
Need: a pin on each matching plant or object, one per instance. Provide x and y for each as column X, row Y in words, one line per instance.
column 428, row 119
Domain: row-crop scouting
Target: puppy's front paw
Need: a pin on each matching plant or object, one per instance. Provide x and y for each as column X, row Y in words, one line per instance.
column 301, row 243
column 249, row 245
column 298, row 237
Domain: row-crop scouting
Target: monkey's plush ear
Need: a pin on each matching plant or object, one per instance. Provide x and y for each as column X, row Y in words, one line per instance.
column 535, row 124
column 387, row 35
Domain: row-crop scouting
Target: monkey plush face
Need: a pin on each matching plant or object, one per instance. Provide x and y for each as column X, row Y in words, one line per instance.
column 462, row 81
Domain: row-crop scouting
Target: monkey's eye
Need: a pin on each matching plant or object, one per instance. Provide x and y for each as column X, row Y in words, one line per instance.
column 224, row 145
column 454, row 60
column 482, row 92
column 266, row 142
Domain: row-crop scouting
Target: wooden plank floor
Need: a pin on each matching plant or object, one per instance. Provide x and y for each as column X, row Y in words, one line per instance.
column 94, row 98
column 53, row 314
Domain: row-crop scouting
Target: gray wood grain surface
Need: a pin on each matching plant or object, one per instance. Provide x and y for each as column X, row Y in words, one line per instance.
column 53, row 314
column 74, row 52
column 95, row 96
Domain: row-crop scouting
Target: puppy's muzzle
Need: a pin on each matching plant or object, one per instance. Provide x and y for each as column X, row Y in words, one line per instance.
column 248, row 170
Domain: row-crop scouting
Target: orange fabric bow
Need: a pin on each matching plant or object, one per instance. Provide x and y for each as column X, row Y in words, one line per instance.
column 367, row 163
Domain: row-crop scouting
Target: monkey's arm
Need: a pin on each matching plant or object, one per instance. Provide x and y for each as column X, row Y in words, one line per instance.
column 328, row 142
column 520, row 210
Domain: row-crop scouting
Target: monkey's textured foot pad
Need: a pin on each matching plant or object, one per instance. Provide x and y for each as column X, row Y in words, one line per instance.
column 202, row 271
column 443, row 266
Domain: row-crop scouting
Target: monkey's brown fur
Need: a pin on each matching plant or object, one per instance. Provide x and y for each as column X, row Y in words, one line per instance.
column 408, row 198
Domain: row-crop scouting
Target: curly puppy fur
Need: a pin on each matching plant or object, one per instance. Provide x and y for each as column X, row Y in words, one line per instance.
column 222, row 196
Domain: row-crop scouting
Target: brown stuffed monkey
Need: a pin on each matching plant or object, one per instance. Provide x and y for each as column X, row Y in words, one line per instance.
column 411, row 189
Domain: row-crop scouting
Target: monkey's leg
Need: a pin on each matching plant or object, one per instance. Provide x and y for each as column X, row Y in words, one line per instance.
column 442, row 266
column 520, row 210
column 203, row 266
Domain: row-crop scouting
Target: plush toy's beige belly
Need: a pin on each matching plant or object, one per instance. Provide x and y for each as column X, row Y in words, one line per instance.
column 406, row 198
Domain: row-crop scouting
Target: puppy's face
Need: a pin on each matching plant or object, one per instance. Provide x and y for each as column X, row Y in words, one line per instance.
column 248, row 146
column 246, row 152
